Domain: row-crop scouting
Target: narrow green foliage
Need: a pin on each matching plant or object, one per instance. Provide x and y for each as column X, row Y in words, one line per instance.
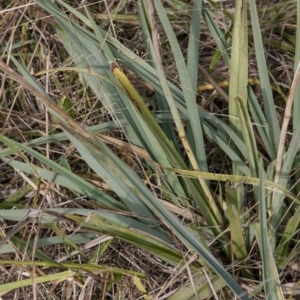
column 235, row 219
column 157, row 189
column 248, row 136
column 269, row 108
column 238, row 87
column 270, row 275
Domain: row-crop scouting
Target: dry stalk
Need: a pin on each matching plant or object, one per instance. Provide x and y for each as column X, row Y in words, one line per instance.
column 285, row 123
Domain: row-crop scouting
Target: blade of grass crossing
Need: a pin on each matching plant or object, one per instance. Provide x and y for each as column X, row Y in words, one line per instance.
column 216, row 33
column 101, row 224
column 206, row 286
column 41, row 279
column 296, row 108
column 162, row 150
column 81, row 238
column 296, row 104
column 240, row 179
column 261, row 123
column 277, row 203
column 236, row 223
column 238, row 83
column 102, row 41
column 193, row 47
column 161, row 102
column 239, row 63
column 270, row 275
column 269, row 106
column 249, row 138
column 290, row 230
column 187, row 88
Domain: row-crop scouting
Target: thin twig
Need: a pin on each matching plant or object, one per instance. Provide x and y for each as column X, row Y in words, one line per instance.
column 214, row 83
column 27, row 219
column 154, row 31
column 285, row 123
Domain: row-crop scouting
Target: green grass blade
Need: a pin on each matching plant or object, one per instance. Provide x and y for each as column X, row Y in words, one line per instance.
column 98, row 223
column 239, row 63
column 269, row 106
column 236, row 224
column 28, row 248
column 289, row 159
column 64, row 178
column 261, row 123
column 240, row 179
column 249, row 138
column 270, row 275
column 187, row 88
column 111, row 216
column 290, row 230
column 41, row 279
column 206, row 287
column 238, row 83
column 193, row 47
column 73, row 270
column 161, row 102
column 296, row 103
column 217, row 34
column 296, row 107
column 80, row 238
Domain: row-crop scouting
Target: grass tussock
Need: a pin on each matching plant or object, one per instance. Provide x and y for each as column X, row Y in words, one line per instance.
column 149, row 150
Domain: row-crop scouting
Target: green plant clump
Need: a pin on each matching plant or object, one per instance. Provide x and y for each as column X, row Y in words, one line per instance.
column 206, row 188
